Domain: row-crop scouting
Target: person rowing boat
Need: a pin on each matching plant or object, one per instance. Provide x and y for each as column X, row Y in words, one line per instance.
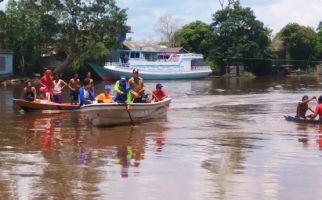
column 122, row 91
column 303, row 106
column 318, row 109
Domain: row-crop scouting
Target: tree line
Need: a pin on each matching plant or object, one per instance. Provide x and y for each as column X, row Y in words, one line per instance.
column 235, row 35
column 79, row 31
column 75, row 31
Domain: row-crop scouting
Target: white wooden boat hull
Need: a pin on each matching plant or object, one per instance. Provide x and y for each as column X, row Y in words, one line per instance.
column 110, row 114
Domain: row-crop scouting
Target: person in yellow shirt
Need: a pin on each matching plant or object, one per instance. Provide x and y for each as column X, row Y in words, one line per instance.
column 105, row 97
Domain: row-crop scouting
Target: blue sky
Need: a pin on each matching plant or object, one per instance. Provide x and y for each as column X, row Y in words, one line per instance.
column 144, row 14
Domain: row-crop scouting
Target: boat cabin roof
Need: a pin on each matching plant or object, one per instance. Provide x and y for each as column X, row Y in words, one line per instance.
column 130, row 46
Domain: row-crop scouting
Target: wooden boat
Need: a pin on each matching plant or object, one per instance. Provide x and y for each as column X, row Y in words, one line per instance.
column 299, row 120
column 43, row 105
column 110, row 114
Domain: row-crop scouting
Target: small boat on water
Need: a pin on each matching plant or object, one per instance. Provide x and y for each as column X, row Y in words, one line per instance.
column 110, row 114
column 154, row 62
column 43, row 105
column 299, row 120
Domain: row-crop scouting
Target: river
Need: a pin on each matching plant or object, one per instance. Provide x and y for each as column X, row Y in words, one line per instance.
column 223, row 139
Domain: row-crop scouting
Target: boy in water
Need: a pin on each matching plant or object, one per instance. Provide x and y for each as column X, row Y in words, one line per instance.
column 303, row 106
column 74, row 85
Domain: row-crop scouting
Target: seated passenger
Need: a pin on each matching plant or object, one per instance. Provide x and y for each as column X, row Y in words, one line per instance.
column 30, row 93
column 303, row 106
column 318, row 109
column 122, row 91
column 137, row 87
column 86, row 95
column 105, row 97
column 158, row 94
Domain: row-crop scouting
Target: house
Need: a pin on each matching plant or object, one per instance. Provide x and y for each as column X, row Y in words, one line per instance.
column 234, row 69
column 6, row 70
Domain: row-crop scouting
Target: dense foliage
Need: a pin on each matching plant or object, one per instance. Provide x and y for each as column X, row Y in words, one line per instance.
column 72, row 28
column 239, row 36
column 300, row 42
column 194, row 37
column 234, row 36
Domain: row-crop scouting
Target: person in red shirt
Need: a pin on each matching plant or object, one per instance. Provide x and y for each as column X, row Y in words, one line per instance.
column 158, row 94
column 46, row 83
column 318, row 109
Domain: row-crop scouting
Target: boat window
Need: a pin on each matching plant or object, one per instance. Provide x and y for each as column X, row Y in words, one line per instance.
column 150, row 56
column 2, row 63
column 124, row 56
column 135, row 54
column 197, row 62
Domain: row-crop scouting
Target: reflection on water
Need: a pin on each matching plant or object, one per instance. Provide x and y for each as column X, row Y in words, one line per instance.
column 223, row 139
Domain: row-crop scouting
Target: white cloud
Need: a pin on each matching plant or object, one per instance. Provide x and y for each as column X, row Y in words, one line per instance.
column 275, row 14
column 280, row 13
column 144, row 14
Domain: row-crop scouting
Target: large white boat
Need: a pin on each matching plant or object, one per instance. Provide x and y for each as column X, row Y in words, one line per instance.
column 153, row 62
column 110, row 114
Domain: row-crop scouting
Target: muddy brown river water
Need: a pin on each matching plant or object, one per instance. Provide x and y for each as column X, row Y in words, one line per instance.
column 223, row 139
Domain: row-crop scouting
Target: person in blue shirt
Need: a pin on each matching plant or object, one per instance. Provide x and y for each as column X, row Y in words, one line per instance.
column 86, row 95
column 122, row 91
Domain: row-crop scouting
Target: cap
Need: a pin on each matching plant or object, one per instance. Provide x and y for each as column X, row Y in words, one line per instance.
column 159, row 85
column 123, row 79
column 135, row 71
column 107, row 87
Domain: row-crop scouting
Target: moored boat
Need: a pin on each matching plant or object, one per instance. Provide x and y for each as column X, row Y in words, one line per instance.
column 43, row 105
column 299, row 120
column 154, row 62
column 110, row 114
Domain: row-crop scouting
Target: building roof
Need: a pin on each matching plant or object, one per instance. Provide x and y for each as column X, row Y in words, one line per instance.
column 5, row 51
column 142, row 46
column 150, row 46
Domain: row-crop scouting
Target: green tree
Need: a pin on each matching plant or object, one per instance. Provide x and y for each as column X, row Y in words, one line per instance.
column 319, row 46
column 239, row 36
column 194, row 37
column 300, row 42
column 74, row 27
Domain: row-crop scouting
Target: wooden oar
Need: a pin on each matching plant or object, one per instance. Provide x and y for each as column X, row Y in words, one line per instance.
column 128, row 112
